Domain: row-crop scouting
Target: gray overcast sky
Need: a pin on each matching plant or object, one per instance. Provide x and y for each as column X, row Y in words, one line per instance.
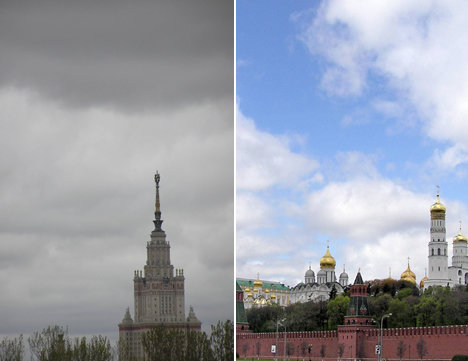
column 95, row 96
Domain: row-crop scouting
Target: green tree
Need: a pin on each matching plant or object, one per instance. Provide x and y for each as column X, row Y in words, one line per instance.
column 379, row 305
column 425, row 312
column 161, row 344
column 52, row 344
column 401, row 314
column 12, row 349
column 336, row 310
column 222, row 341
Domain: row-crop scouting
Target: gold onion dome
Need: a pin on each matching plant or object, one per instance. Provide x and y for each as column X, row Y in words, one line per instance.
column 460, row 237
column 247, row 289
column 421, row 284
column 273, row 296
column 327, row 261
column 409, row 275
column 258, row 283
column 438, row 207
column 250, row 294
column 267, row 291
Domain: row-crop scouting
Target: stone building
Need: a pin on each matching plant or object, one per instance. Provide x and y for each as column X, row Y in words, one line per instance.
column 440, row 273
column 312, row 290
column 260, row 293
column 159, row 296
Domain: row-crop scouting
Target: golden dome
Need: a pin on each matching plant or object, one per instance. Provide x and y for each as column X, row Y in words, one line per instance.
column 258, row 283
column 327, row 261
column 437, row 206
column 247, row 289
column 460, row 237
column 255, row 290
column 408, row 275
column 421, row 284
column 410, row 280
column 273, row 296
column 250, row 294
column 267, row 291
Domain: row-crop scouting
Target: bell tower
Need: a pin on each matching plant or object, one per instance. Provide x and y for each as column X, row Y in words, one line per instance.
column 437, row 247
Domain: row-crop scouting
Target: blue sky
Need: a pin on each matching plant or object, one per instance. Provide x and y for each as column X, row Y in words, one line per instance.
column 349, row 113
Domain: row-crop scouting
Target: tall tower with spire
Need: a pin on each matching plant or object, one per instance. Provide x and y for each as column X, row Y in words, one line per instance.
column 438, row 257
column 159, row 296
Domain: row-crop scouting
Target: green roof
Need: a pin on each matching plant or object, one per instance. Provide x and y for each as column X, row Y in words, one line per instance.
column 266, row 284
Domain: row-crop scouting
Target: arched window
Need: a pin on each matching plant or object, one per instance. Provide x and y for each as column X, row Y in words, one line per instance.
column 438, row 251
column 432, row 251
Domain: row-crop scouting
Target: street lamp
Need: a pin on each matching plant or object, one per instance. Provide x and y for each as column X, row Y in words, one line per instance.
column 284, row 352
column 381, row 326
column 276, row 343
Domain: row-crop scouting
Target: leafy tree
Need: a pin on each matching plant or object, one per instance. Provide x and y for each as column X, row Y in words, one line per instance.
column 425, row 311
column 336, row 310
column 333, row 292
column 12, row 349
column 222, row 341
column 161, row 344
column 378, row 306
column 51, row 344
column 401, row 314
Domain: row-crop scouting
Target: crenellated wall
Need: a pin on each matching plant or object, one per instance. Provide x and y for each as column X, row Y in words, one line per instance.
column 358, row 342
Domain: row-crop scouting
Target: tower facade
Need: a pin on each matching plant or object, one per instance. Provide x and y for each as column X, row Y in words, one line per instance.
column 437, row 247
column 159, row 296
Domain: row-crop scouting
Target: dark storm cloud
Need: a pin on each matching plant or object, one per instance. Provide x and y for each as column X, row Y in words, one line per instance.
column 129, row 54
column 77, row 203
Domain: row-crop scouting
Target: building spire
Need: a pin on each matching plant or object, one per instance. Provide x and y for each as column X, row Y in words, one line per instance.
column 157, row 214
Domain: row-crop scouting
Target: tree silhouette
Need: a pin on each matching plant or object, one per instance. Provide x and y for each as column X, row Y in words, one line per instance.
column 401, row 348
column 421, row 347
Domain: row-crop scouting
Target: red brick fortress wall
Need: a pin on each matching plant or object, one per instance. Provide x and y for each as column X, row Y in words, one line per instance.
column 440, row 343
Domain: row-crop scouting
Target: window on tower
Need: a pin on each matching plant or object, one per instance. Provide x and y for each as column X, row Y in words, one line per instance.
column 438, row 252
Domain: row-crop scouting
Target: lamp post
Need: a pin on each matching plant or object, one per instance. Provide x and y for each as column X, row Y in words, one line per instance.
column 276, row 343
column 284, row 351
column 381, row 326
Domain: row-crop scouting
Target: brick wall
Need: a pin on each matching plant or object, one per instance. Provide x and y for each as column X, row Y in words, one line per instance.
column 358, row 342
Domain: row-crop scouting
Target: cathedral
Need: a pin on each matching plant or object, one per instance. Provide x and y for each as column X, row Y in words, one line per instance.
column 159, row 296
column 440, row 273
column 319, row 290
